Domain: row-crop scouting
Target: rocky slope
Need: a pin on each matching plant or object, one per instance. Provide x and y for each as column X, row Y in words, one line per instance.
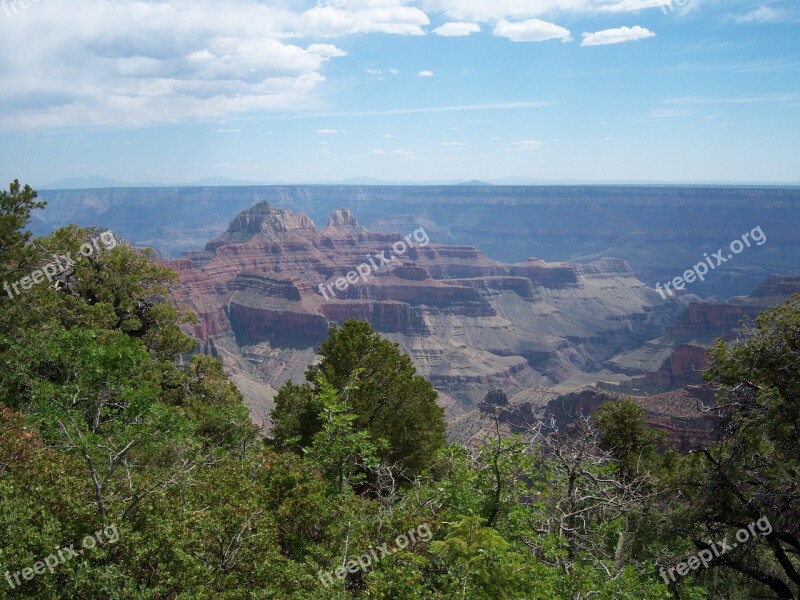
column 684, row 416
column 668, row 381
column 470, row 323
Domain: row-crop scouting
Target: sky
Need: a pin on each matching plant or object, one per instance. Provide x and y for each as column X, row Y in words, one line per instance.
column 304, row 91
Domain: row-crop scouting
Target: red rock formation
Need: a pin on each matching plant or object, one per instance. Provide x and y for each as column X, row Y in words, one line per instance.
column 266, row 292
column 684, row 366
column 708, row 320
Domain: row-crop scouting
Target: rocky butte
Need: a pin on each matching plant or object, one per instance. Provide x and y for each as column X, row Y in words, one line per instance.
column 471, row 324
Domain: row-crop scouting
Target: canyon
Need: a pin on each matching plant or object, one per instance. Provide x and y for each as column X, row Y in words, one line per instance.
column 660, row 231
column 556, row 335
column 470, row 323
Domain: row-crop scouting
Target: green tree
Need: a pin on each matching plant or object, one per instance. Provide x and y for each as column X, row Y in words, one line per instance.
column 753, row 472
column 625, row 434
column 16, row 254
column 296, row 418
column 116, row 288
column 477, row 563
column 15, row 213
column 341, row 452
column 391, row 402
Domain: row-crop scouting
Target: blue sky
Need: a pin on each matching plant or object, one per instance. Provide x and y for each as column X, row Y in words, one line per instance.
column 400, row 90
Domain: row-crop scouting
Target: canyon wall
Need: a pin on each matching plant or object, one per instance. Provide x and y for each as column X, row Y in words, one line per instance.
column 659, row 231
column 265, row 294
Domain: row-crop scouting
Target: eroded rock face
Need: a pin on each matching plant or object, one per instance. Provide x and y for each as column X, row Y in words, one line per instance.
column 679, row 414
column 683, row 415
column 661, row 231
column 709, row 320
column 266, row 293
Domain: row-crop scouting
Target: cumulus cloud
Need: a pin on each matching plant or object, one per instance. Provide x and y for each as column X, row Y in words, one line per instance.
column 327, row 131
column 532, row 30
column 132, row 63
column 366, row 16
column 616, row 36
column 425, row 74
column 457, row 29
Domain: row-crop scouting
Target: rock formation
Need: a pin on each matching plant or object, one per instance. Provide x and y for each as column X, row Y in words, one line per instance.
column 471, row 324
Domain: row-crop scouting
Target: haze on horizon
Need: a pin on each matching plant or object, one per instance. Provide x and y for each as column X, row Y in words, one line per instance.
column 172, row 91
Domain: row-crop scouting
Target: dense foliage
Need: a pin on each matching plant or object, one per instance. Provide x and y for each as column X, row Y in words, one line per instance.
column 106, row 423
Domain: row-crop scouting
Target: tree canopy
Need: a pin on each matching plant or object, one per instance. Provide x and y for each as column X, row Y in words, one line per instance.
column 389, row 400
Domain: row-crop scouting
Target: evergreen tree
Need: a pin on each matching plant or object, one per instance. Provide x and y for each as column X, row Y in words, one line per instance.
column 391, row 402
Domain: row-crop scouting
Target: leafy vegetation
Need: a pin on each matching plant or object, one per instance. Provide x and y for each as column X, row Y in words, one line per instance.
column 105, row 418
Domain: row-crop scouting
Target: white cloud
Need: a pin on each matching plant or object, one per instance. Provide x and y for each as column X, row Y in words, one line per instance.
column 394, row 72
column 131, row 63
column 326, row 50
column 327, row 131
column 455, row 145
column 365, row 16
column 763, row 14
column 225, row 131
column 616, row 36
column 425, row 74
column 532, row 30
column 457, row 29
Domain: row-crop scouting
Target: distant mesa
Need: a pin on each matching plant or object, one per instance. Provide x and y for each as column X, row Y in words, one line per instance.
column 475, row 182
column 343, row 221
column 266, row 222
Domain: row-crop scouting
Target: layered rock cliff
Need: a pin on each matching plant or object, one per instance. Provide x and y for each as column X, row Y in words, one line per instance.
column 659, row 230
column 267, row 290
